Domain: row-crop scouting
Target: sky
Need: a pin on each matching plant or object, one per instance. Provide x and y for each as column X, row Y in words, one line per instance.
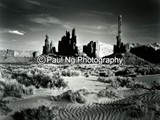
column 24, row 23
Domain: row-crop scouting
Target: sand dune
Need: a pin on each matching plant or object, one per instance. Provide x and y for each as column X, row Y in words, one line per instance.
column 96, row 108
column 113, row 110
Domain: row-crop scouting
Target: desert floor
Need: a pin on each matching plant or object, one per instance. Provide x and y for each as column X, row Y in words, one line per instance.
column 43, row 96
column 95, row 107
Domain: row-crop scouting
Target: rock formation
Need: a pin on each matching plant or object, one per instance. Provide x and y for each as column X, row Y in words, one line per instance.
column 150, row 52
column 120, row 47
column 47, row 48
column 90, row 49
column 67, row 46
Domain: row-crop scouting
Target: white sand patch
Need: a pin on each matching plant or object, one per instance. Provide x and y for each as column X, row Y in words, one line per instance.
column 81, row 82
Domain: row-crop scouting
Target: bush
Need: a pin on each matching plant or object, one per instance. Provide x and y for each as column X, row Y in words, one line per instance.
column 86, row 74
column 105, row 79
column 124, row 81
column 128, row 82
column 139, row 85
column 15, row 89
column 137, row 110
column 108, row 93
column 106, row 73
column 39, row 77
column 155, row 85
column 59, row 82
column 42, row 113
column 3, row 108
column 78, row 96
column 70, row 73
column 148, row 70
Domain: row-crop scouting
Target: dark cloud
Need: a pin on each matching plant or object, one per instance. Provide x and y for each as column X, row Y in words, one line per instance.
column 93, row 19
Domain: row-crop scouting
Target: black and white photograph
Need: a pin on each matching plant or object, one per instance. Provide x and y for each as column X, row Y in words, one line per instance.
column 79, row 59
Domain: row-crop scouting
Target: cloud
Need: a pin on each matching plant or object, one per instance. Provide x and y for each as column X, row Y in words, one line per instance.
column 100, row 29
column 96, row 27
column 152, row 25
column 86, row 14
column 33, row 2
column 17, row 32
column 45, row 19
column 70, row 25
column 67, row 26
column 102, row 13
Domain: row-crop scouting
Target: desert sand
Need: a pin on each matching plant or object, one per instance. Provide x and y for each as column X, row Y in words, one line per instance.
column 94, row 109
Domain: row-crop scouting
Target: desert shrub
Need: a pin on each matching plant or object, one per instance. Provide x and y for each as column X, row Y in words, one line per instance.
column 116, row 81
column 128, row 82
column 139, row 85
column 148, row 70
column 115, row 68
column 3, row 108
column 70, row 73
column 131, row 83
column 108, row 93
column 2, row 88
column 156, row 108
column 59, row 82
column 155, row 85
column 15, row 89
column 124, row 81
column 103, row 74
column 105, row 79
column 137, row 110
column 39, row 77
column 65, row 73
column 125, row 71
column 106, row 73
column 41, row 113
column 86, row 74
column 4, row 74
column 2, row 85
column 122, row 72
column 78, row 96
column 114, row 84
column 112, row 81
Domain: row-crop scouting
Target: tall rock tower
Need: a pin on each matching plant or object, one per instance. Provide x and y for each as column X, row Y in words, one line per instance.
column 119, row 37
column 74, row 48
column 120, row 26
column 51, row 45
column 46, row 47
column 119, row 47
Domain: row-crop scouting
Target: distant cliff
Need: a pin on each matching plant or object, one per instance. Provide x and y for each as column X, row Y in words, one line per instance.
column 18, row 53
column 149, row 52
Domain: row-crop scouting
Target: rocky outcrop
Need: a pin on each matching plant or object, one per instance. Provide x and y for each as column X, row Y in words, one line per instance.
column 129, row 59
column 67, row 45
column 47, row 48
column 90, row 49
column 120, row 47
column 149, row 52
